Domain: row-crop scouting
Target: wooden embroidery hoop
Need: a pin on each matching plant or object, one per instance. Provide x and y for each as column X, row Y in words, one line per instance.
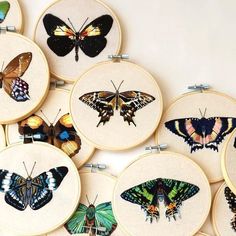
column 88, row 180
column 56, row 99
column 116, row 134
column 37, row 78
column 221, row 208
column 227, row 162
column 148, row 166
column 177, row 144
column 36, row 152
column 14, row 16
column 2, row 137
column 201, row 234
column 61, row 66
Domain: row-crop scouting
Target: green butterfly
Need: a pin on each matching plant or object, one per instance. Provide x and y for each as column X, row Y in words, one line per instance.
column 4, row 8
column 93, row 220
column 169, row 191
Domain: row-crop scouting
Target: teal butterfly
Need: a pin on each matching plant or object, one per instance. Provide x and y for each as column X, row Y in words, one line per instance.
column 169, row 191
column 4, row 8
column 93, row 220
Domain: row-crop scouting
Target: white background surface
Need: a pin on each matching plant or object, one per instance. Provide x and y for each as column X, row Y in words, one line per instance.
column 181, row 42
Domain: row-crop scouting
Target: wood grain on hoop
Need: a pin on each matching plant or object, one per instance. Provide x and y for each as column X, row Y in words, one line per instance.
column 163, row 165
column 57, row 99
column 37, row 77
column 65, row 197
column 2, row 137
column 187, row 106
column 66, row 68
column 116, row 134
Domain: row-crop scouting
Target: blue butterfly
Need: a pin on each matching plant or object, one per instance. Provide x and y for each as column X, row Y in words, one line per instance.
column 35, row 192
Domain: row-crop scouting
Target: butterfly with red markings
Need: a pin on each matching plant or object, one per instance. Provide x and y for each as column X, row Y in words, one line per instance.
column 106, row 102
column 204, row 132
column 10, row 79
column 91, row 39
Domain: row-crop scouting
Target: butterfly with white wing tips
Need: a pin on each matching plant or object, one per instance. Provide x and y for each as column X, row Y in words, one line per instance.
column 35, row 192
column 10, row 79
column 105, row 102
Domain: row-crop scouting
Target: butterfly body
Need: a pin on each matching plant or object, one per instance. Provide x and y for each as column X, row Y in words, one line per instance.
column 204, row 132
column 167, row 191
column 105, row 102
column 35, row 192
column 10, row 79
column 93, row 220
column 61, row 135
column 91, row 39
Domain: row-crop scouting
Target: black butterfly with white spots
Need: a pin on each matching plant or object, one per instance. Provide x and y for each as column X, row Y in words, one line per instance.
column 35, row 192
column 231, row 199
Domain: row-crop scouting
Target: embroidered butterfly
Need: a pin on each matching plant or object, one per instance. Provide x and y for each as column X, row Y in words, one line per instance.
column 92, row 220
column 35, row 192
column 62, row 135
column 91, row 39
column 10, row 79
column 104, row 102
column 204, row 132
column 231, row 199
column 150, row 194
column 4, row 8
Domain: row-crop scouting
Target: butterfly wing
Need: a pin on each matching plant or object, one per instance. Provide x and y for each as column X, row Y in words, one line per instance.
column 4, row 8
column 92, row 37
column 62, row 37
column 14, row 187
column 175, row 192
column 77, row 222
column 17, row 88
column 66, row 137
column 103, row 102
column 231, row 200
column 44, row 184
column 35, row 126
column 105, row 218
column 131, row 101
column 200, row 133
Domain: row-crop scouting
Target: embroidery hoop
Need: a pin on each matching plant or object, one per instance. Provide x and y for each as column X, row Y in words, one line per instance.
column 227, row 162
column 14, row 16
column 221, row 209
column 38, row 87
column 205, row 158
column 112, row 135
column 71, row 183
column 148, row 166
column 87, row 181
column 2, row 137
column 56, row 99
column 60, row 66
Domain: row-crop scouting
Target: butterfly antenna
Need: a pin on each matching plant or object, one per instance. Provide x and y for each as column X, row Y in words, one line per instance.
column 71, row 24
column 114, row 85
column 95, row 199
column 26, row 169
column 45, row 116
column 83, row 24
column 200, row 112
column 56, row 116
column 120, row 85
column 32, row 169
column 2, row 66
column 205, row 112
column 88, row 200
